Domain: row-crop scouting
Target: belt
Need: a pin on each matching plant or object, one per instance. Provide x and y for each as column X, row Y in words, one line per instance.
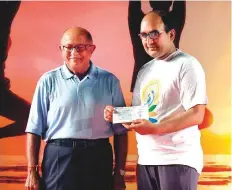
column 78, row 142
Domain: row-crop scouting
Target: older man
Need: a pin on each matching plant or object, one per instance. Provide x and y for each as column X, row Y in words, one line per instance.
column 67, row 112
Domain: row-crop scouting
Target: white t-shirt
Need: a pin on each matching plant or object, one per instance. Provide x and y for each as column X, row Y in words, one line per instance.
column 169, row 87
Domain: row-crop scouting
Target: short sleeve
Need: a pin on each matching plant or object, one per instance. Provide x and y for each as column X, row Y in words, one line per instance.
column 118, row 101
column 136, row 100
column 192, row 85
column 37, row 121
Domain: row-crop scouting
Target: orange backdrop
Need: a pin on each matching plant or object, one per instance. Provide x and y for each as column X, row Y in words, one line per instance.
column 37, row 29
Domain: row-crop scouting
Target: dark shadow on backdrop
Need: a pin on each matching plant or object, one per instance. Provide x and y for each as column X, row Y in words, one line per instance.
column 12, row 106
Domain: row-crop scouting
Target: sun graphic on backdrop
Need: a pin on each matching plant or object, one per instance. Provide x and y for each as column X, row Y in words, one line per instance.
column 220, row 121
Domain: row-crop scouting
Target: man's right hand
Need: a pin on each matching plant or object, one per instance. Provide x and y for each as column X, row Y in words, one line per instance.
column 33, row 180
column 108, row 113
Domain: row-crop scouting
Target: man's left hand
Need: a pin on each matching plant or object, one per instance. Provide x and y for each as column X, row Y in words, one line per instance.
column 142, row 126
column 118, row 182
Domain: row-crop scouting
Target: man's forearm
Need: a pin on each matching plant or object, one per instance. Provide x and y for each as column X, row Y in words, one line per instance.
column 33, row 146
column 191, row 117
column 120, row 151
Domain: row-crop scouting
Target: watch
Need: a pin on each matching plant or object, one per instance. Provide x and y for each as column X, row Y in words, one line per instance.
column 122, row 172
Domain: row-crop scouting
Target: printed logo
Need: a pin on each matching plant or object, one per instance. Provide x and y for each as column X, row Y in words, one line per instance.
column 150, row 95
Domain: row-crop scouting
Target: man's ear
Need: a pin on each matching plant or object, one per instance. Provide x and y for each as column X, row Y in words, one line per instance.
column 172, row 33
column 92, row 48
column 60, row 48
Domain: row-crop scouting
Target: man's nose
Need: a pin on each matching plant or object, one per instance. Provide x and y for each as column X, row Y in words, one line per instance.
column 75, row 51
column 150, row 40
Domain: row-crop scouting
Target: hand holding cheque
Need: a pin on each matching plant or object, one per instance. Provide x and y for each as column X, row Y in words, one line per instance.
column 135, row 117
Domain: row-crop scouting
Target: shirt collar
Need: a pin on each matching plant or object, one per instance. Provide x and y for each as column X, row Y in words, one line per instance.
column 170, row 56
column 67, row 74
column 92, row 74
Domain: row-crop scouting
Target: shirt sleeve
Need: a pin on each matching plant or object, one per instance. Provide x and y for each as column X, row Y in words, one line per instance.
column 192, row 85
column 136, row 100
column 118, row 101
column 37, row 121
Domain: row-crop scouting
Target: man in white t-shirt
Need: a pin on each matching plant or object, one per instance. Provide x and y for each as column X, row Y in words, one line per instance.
column 173, row 86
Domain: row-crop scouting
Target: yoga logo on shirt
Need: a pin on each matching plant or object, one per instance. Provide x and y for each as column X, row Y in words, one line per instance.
column 150, row 95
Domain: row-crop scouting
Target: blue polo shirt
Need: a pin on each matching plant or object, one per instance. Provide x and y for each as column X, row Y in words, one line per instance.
column 65, row 107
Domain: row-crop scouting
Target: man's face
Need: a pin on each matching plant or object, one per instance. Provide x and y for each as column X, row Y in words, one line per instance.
column 76, row 51
column 156, row 42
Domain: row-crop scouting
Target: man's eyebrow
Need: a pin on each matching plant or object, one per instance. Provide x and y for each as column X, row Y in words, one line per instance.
column 74, row 44
column 66, row 44
column 154, row 31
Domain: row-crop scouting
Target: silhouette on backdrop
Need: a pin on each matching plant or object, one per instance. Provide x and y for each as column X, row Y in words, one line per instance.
column 12, row 106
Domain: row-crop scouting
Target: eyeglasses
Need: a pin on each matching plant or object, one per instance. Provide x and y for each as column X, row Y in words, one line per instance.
column 78, row 48
column 152, row 35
